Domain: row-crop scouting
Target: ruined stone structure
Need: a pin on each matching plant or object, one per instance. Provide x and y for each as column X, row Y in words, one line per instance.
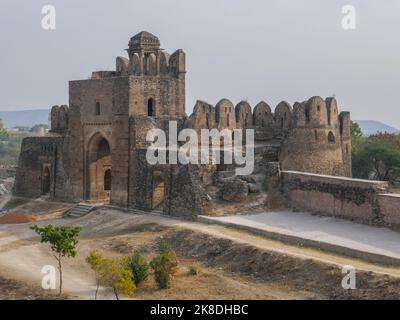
column 96, row 148
column 364, row 201
column 312, row 136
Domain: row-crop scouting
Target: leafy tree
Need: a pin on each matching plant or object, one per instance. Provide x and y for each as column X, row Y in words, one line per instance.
column 10, row 148
column 96, row 260
column 378, row 158
column 3, row 131
column 62, row 240
column 115, row 273
column 356, row 136
column 112, row 273
column 139, row 268
column 390, row 138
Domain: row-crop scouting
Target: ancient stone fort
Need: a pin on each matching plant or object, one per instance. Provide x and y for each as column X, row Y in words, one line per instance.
column 95, row 150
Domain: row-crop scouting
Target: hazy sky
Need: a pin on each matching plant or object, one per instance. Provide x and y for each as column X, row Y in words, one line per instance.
column 268, row 50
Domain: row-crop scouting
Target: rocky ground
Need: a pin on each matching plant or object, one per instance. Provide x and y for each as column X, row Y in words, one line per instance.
column 15, row 290
column 232, row 264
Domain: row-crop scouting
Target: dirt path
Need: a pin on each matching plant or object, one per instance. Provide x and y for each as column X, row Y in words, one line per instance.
column 22, row 258
column 231, row 261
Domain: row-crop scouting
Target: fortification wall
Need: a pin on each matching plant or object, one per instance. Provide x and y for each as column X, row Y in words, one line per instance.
column 313, row 136
column 389, row 206
column 318, row 141
column 364, row 201
column 40, row 167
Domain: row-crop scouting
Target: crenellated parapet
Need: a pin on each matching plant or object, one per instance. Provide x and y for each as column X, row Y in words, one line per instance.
column 313, row 114
column 319, row 139
column 313, row 136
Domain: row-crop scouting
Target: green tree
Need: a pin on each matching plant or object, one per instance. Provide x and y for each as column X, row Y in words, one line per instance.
column 3, row 131
column 377, row 158
column 112, row 273
column 139, row 268
column 10, row 148
column 62, row 240
column 115, row 273
column 356, row 136
column 96, row 261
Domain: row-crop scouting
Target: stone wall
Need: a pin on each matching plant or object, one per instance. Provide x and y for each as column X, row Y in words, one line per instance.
column 185, row 195
column 318, row 141
column 313, row 135
column 364, row 201
column 40, row 157
column 117, row 108
column 182, row 184
column 389, row 205
column 167, row 96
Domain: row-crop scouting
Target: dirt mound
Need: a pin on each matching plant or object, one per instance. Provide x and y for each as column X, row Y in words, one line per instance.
column 271, row 267
column 39, row 206
column 16, row 218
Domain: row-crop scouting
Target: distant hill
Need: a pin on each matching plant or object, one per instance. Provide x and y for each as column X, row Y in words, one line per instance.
column 25, row 118
column 28, row 118
column 369, row 127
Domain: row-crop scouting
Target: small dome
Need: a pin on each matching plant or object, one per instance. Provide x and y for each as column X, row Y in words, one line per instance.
column 144, row 40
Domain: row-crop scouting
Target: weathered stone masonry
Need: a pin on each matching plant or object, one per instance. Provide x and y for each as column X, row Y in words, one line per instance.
column 95, row 150
column 364, row 201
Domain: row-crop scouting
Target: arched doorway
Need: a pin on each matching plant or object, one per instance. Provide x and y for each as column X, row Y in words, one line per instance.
column 158, row 195
column 98, row 169
column 45, row 180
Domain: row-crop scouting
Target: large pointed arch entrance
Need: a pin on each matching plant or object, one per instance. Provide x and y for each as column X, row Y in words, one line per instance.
column 98, row 168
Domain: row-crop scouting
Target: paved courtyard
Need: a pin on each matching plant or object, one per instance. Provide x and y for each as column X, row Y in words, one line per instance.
column 325, row 232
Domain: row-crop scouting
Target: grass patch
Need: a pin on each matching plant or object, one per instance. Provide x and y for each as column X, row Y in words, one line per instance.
column 193, row 270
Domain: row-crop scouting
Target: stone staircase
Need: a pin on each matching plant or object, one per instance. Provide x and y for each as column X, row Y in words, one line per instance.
column 79, row 210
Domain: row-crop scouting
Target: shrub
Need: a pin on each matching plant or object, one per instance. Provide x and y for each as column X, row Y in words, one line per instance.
column 164, row 266
column 193, row 270
column 139, row 268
